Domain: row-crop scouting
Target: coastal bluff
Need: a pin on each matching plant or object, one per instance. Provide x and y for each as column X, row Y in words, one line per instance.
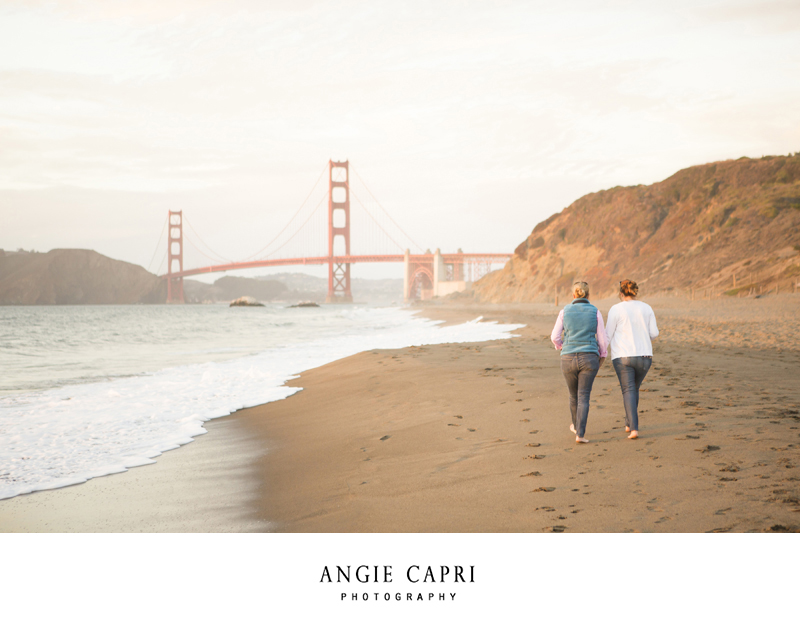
column 726, row 227
column 75, row 276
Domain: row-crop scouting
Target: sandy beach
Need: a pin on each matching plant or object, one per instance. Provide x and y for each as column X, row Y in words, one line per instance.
column 474, row 438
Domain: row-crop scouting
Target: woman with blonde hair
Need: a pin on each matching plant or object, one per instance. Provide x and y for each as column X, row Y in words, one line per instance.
column 580, row 335
column 631, row 329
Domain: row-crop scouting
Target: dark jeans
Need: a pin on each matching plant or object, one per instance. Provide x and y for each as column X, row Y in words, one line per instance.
column 579, row 370
column 631, row 372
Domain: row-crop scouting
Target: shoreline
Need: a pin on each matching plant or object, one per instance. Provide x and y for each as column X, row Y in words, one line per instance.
column 67, row 507
column 208, row 485
column 473, row 437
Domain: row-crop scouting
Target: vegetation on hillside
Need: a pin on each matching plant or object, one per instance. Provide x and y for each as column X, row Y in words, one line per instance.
column 730, row 226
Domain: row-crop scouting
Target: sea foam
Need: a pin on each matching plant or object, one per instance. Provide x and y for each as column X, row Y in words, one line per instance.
column 65, row 436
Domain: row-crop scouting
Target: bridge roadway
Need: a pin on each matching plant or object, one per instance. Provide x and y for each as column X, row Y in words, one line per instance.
column 339, row 260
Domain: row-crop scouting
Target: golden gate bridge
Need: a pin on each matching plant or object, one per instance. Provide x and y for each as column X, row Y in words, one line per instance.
column 312, row 237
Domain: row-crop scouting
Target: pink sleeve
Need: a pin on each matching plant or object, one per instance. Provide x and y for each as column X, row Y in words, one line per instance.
column 558, row 329
column 602, row 340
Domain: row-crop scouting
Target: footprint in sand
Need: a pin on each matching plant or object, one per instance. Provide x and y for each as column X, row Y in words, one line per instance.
column 472, row 430
column 459, row 417
column 385, row 437
column 450, row 424
column 535, row 473
column 527, row 409
column 533, row 444
column 544, row 489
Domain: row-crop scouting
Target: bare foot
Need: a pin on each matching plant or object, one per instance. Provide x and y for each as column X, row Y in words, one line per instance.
column 633, row 435
column 572, row 428
column 627, row 429
column 581, row 440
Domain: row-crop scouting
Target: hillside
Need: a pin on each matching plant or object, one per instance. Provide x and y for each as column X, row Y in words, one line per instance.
column 75, row 276
column 290, row 287
column 695, row 230
column 230, row 288
column 303, row 286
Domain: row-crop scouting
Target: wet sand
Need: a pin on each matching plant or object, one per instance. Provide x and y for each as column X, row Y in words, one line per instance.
column 209, row 485
column 474, row 438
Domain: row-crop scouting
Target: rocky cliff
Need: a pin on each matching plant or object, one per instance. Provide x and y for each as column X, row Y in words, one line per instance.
column 75, row 276
column 704, row 229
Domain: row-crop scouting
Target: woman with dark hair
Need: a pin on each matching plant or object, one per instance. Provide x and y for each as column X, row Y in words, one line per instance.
column 580, row 335
column 631, row 329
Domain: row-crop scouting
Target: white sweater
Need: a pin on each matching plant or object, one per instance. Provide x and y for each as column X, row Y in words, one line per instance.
column 631, row 326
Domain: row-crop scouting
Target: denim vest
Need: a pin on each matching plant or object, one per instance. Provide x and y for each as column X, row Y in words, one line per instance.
column 580, row 328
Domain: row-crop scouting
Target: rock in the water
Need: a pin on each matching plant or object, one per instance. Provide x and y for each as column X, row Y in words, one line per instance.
column 246, row 300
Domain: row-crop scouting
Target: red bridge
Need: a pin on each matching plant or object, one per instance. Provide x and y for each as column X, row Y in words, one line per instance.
column 426, row 274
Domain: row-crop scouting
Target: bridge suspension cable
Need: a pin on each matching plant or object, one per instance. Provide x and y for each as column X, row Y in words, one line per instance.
column 199, row 251
column 155, row 251
column 294, row 216
column 161, row 264
column 313, row 212
column 413, row 242
column 219, row 256
column 369, row 214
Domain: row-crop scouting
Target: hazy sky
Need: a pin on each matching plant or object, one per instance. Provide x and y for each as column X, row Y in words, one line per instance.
column 470, row 121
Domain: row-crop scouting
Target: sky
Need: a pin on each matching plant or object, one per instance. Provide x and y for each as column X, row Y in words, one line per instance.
column 469, row 121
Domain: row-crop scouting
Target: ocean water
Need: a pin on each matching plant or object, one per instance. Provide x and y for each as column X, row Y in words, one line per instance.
column 87, row 391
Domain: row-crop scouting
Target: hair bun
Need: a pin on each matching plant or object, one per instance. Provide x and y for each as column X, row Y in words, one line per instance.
column 628, row 288
column 580, row 290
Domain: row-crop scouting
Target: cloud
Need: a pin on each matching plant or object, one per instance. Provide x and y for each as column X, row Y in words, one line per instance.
column 441, row 106
column 766, row 16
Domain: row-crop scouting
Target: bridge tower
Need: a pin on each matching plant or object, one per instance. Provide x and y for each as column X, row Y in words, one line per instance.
column 339, row 208
column 175, row 255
